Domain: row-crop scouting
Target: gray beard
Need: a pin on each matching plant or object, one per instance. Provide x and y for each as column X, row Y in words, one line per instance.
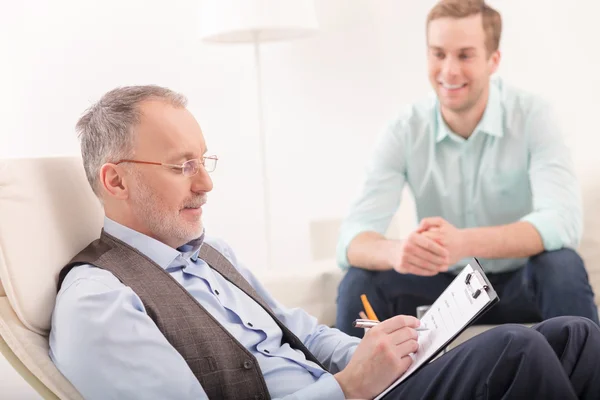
column 149, row 209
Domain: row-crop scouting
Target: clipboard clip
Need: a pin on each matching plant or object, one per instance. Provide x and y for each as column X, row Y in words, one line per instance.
column 475, row 292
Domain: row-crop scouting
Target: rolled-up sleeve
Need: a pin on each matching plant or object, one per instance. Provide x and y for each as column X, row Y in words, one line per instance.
column 557, row 209
column 381, row 192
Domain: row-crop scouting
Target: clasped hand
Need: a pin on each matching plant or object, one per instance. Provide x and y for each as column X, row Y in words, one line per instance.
column 432, row 248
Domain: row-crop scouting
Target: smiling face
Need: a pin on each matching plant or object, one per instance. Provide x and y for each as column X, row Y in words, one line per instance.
column 165, row 204
column 459, row 63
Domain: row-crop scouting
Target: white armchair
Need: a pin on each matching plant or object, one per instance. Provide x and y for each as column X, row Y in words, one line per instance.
column 48, row 213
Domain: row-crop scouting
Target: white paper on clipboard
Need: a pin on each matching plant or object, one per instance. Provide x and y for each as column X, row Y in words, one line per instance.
column 464, row 299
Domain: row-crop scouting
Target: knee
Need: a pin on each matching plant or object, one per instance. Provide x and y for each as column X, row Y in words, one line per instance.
column 566, row 324
column 558, row 268
column 355, row 280
column 518, row 338
column 563, row 259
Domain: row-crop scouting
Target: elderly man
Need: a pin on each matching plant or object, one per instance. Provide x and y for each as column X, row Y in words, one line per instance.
column 155, row 309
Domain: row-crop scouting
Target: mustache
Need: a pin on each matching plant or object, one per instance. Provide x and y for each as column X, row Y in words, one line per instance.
column 196, row 202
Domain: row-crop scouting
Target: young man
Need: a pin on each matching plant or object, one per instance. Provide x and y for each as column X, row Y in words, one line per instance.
column 492, row 179
column 154, row 309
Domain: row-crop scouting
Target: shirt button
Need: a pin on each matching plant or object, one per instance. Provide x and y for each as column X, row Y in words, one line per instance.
column 216, row 292
column 267, row 351
column 250, row 324
column 248, row 364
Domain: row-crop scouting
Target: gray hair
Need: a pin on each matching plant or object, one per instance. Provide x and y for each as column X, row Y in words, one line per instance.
column 106, row 128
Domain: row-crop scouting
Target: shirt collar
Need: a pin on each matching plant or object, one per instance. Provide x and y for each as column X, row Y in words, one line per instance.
column 491, row 122
column 192, row 248
column 157, row 251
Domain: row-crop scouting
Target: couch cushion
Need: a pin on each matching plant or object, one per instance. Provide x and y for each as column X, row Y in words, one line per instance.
column 312, row 288
column 590, row 243
column 48, row 213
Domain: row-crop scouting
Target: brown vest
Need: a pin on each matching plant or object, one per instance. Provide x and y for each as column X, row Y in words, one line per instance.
column 222, row 365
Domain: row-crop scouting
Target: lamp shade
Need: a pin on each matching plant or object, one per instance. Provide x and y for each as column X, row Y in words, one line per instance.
column 241, row 21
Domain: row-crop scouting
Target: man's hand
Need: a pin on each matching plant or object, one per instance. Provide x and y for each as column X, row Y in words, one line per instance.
column 445, row 234
column 419, row 254
column 381, row 357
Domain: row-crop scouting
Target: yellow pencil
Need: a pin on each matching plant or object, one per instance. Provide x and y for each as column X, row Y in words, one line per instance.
column 368, row 308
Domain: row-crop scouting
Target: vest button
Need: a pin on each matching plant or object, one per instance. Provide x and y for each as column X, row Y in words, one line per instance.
column 248, row 364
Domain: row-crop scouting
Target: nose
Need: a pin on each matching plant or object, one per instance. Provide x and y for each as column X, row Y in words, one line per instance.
column 202, row 182
column 450, row 67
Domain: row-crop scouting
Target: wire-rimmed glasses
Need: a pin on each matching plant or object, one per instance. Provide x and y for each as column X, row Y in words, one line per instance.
column 188, row 168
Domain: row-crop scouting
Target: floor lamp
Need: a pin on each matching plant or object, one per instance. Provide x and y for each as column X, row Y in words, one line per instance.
column 254, row 22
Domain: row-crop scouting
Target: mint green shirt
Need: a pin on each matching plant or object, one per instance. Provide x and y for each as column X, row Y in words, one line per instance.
column 514, row 167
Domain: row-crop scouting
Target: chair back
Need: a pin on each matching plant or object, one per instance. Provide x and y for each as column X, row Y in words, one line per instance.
column 48, row 213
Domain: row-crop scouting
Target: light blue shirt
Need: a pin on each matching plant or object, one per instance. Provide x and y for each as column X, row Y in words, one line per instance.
column 103, row 341
column 514, row 167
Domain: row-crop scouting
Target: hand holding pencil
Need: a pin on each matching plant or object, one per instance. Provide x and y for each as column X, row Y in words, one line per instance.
column 382, row 356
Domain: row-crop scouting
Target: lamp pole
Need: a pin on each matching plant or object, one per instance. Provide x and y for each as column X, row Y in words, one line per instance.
column 263, row 150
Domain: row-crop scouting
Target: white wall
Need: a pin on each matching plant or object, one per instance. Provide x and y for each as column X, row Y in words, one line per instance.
column 325, row 97
column 329, row 97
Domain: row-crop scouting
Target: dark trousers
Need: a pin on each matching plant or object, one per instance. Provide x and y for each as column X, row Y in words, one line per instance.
column 556, row 359
column 550, row 284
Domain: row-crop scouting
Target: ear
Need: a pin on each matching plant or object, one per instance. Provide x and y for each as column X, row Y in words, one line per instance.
column 494, row 61
column 112, row 180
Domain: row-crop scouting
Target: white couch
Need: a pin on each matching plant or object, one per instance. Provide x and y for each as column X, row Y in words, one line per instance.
column 314, row 287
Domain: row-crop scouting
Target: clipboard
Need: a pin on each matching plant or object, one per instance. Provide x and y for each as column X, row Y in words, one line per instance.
column 470, row 282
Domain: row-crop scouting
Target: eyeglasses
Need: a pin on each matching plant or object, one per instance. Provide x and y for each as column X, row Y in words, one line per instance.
column 188, row 168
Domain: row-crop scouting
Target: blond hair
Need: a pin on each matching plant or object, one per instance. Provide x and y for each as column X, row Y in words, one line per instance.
column 492, row 21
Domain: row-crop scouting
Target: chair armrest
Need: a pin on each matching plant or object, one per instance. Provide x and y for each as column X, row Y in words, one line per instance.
column 20, row 368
